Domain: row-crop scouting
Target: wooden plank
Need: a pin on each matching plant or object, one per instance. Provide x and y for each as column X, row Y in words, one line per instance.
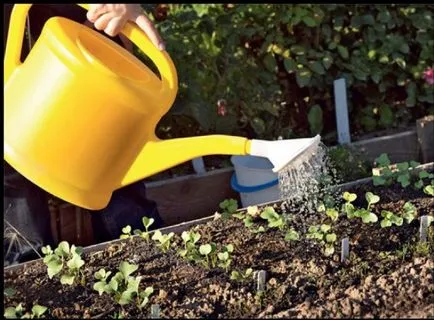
column 425, row 136
column 191, row 197
column 399, row 147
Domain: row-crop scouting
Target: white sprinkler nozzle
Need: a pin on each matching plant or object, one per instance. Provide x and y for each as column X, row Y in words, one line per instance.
column 284, row 152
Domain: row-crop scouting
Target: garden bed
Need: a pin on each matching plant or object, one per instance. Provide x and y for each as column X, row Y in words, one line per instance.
column 389, row 272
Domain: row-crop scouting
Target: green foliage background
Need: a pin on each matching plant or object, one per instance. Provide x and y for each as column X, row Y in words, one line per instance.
column 274, row 65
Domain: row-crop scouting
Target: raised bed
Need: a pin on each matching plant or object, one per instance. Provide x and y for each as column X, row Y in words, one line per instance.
column 193, row 196
column 388, row 272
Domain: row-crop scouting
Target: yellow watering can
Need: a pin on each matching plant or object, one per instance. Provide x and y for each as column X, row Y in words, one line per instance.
column 81, row 113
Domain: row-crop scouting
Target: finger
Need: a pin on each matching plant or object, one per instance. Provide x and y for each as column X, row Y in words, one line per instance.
column 95, row 11
column 114, row 26
column 146, row 25
column 102, row 22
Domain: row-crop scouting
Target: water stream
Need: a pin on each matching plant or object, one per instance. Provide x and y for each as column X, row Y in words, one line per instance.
column 305, row 183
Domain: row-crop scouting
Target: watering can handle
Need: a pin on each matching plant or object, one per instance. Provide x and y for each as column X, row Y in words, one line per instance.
column 162, row 60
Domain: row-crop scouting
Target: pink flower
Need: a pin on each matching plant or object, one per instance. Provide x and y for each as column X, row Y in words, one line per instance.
column 221, row 107
column 428, row 75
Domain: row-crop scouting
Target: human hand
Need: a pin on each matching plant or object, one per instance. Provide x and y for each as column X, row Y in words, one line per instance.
column 112, row 17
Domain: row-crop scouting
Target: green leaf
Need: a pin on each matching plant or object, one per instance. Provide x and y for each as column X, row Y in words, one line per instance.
column 333, row 214
column 113, row 285
column 349, row 197
column 205, row 249
column 330, row 238
column 100, row 287
column 411, row 94
column 372, row 54
column 386, row 116
column 127, row 269
column 290, row 65
column 9, row 291
column 10, row 313
column 76, row 262
column 327, row 61
column 398, row 221
column 292, row 235
column 147, row 222
column 385, row 223
column 378, row 180
column 309, row 21
column 414, row 164
column 317, row 67
column 329, row 250
column 371, row 198
column 325, row 228
column 54, row 267
column 384, row 59
column 429, row 190
column 148, row 291
column 303, row 77
column 67, row 279
column 223, row 256
column 423, row 174
column 62, row 249
column 126, row 297
column 343, row 51
column 315, row 118
column 404, row 179
column 298, row 50
column 258, row 125
column 418, row 184
column 383, row 160
column 126, row 229
column 371, row 217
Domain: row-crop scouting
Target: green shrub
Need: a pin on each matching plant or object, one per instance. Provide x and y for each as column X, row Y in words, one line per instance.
column 272, row 67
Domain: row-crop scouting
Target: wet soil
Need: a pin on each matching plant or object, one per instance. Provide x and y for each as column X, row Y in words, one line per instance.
column 389, row 273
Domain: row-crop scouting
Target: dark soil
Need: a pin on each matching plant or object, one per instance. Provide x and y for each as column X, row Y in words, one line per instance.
column 389, row 272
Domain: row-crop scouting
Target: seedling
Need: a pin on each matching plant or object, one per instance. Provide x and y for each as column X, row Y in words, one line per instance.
column 323, row 236
column 55, row 262
column 163, row 240
column 240, row 276
column 229, row 206
column 190, row 251
column 292, row 235
column 225, row 257
column 365, row 214
column 273, row 218
column 348, row 207
column 209, row 252
column 419, row 184
column 18, row 312
column 126, row 232
column 429, row 189
column 390, row 219
column 144, row 295
column 147, row 222
column 122, row 285
column 409, row 212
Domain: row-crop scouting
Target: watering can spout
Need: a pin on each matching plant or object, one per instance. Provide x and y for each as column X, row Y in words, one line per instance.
column 159, row 155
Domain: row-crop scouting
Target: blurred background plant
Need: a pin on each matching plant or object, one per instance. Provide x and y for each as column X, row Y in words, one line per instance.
column 267, row 70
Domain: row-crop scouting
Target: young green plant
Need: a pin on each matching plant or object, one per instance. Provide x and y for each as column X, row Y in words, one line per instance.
column 122, row 286
column 229, row 206
column 241, row 276
column 18, row 312
column 147, row 222
column 323, row 235
column 56, row 260
column 163, row 240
